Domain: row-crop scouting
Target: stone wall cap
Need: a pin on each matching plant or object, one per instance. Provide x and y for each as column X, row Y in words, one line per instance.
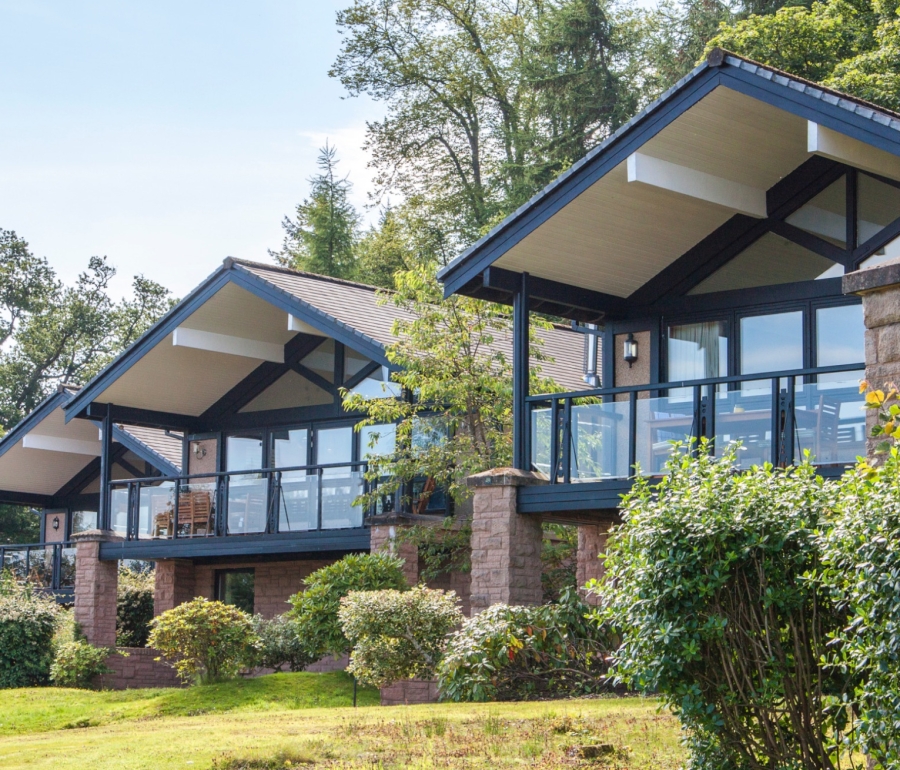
column 506, row 477
column 873, row 278
column 96, row 536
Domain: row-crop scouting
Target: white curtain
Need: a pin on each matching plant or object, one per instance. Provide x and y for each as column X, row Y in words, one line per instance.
column 697, row 351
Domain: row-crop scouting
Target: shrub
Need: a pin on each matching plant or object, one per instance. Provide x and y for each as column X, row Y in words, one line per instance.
column 397, row 634
column 862, row 552
column 204, row 641
column 712, row 581
column 27, row 625
column 134, row 607
column 77, row 664
column 315, row 610
column 279, row 645
column 517, row 653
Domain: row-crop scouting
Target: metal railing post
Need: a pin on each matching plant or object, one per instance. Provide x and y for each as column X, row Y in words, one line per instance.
column 554, row 441
column 319, row 475
column 567, row 441
column 632, row 431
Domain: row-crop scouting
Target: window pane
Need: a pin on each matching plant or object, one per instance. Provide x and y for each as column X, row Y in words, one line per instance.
column 377, row 440
column 697, row 351
column 878, row 204
column 840, row 339
column 353, row 363
column 771, row 343
column 289, row 447
column 237, row 589
column 243, row 452
column 321, row 360
column 334, row 445
column 82, row 521
column 826, row 214
column 768, row 261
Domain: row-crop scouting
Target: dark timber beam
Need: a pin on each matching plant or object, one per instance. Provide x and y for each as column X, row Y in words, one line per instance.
column 25, row 498
column 521, row 363
column 147, row 418
column 368, row 369
column 106, row 448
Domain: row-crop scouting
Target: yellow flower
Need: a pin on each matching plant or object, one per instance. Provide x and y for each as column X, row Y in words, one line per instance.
column 863, row 386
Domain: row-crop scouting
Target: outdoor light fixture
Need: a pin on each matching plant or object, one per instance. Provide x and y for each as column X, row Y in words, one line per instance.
column 56, row 522
column 199, row 450
column 630, row 349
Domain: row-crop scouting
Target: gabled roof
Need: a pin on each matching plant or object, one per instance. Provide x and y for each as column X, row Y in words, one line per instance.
column 350, row 313
column 852, row 117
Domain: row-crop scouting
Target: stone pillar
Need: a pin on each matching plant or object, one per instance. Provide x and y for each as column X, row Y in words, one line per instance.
column 506, row 545
column 384, row 529
column 588, row 566
column 175, row 584
column 96, row 584
column 879, row 287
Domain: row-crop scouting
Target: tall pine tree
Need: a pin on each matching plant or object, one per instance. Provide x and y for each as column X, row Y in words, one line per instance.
column 323, row 235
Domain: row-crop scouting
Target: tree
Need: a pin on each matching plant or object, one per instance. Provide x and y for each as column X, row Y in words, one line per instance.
column 486, row 100
column 52, row 334
column 385, row 250
column 452, row 355
column 19, row 524
column 323, row 236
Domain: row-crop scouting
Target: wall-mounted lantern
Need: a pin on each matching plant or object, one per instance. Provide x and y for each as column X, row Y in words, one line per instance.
column 55, row 522
column 630, row 351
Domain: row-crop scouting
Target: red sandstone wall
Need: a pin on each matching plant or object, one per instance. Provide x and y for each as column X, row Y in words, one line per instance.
column 409, row 692
column 138, row 669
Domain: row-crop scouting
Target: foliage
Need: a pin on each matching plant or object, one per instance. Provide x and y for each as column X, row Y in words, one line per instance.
column 862, row 553
column 485, row 101
column 448, row 353
column 203, row 640
column 516, row 653
column 315, row 609
column 77, row 664
column 849, row 45
column 134, row 607
column 443, row 550
column 886, row 406
column 19, row 524
column 52, row 334
column 323, row 236
column 397, row 634
column 559, row 550
column 27, row 625
column 711, row 580
column 279, row 644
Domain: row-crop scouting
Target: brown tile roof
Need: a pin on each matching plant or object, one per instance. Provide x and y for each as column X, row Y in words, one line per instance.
column 166, row 445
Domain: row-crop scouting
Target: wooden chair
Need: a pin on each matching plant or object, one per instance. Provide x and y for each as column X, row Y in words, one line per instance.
column 424, row 496
column 162, row 513
column 195, row 512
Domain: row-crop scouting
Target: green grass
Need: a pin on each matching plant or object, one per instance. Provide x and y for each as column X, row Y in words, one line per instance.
column 297, row 720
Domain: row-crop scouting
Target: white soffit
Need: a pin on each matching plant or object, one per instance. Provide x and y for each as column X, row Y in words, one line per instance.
column 296, row 325
column 57, row 444
column 840, row 147
column 617, row 235
column 229, row 344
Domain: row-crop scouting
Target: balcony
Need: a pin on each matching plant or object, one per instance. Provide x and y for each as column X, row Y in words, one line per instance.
column 47, row 566
column 596, row 437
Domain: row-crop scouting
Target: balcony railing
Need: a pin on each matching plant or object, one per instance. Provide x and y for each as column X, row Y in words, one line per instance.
column 245, row 502
column 599, row 434
column 45, row 565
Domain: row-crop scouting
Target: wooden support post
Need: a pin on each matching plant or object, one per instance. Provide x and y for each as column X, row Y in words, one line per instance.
column 106, row 447
column 521, row 427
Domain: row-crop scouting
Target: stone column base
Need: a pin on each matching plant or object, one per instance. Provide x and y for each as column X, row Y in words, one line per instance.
column 96, row 587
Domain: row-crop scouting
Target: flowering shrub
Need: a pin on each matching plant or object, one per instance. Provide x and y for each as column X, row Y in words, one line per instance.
column 397, row 634
column 279, row 645
column 27, row 625
column 205, row 641
column 516, row 653
column 77, row 664
column 134, row 607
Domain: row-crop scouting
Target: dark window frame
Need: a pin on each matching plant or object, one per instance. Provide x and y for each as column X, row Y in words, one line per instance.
column 222, row 574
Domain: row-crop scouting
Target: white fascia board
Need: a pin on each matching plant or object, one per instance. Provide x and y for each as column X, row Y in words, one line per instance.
column 226, row 343
column 72, row 446
column 738, row 197
column 842, row 148
column 296, row 325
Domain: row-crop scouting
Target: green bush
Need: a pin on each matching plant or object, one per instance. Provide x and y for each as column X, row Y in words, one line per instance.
column 279, row 645
column 204, row 641
column 862, row 552
column 315, row 610
column 134, row 607
column 27, row 626
column 77, row 664
column 518, row 653
column 397, row 634
column 712, row 582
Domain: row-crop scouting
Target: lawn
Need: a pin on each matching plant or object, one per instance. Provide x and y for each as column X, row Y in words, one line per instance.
column 289, row 720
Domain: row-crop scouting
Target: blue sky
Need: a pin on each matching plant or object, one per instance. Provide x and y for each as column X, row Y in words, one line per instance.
column 167, row 135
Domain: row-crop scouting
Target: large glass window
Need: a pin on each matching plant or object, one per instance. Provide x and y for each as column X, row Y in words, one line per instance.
column 377, row 440
column 298, row 494
column 82, row 521
column 248, row 492
column 697, row 351
column 341, row 485
column 237, row 587
column 826, row 214
column 243, row 451
column 334, row 445
column 840, row 339
column 878, row 204
column 771, row 343
column 289, row 447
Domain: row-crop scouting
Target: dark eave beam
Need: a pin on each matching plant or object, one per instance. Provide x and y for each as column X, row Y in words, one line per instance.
column 10, row 497
column 147, row 418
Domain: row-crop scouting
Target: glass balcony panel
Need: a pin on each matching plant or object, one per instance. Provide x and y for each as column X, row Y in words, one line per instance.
column 15, row 562
column 298, row 502
column 660, row 421
column 829, row 422
column 338, row 494
column 67, row 568
column 156, row 510
column 118, row 510
column 600, row 441
column 40, row 566
column 197, row 509
column 745, row 415
column 247, row 496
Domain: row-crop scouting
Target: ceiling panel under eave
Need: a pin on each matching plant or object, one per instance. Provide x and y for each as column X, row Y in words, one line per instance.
column 617, row 235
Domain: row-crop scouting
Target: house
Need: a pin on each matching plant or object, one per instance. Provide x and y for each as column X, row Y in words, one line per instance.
column 217, row 446
column 720, row 241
